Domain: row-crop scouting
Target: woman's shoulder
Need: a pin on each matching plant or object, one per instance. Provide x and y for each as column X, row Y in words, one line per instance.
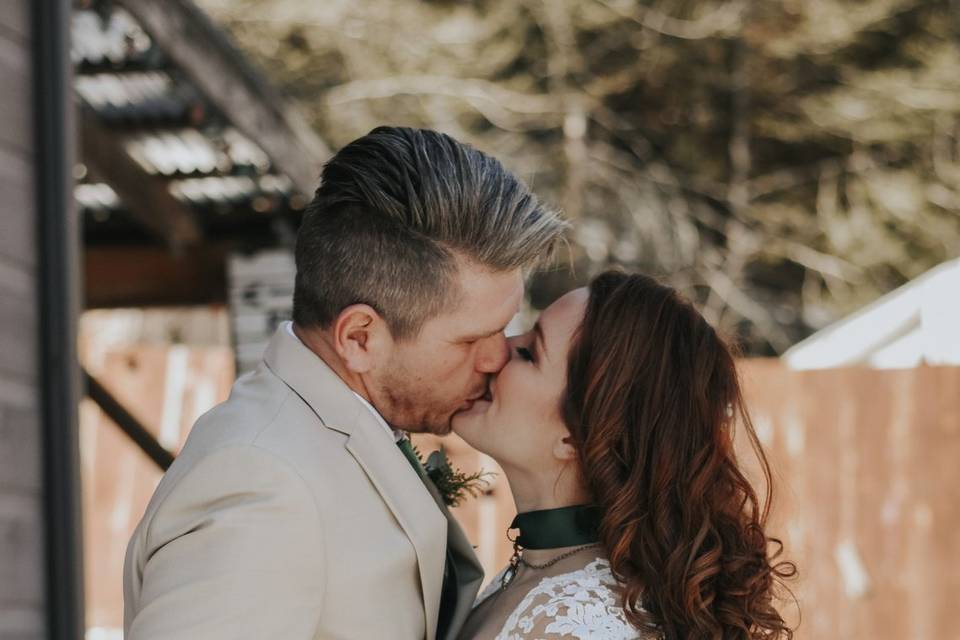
column 580, row 604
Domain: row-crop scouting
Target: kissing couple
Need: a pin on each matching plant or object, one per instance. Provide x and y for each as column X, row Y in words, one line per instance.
column 297, row 509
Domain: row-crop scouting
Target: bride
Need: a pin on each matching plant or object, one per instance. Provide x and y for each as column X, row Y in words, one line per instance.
column 613, row 423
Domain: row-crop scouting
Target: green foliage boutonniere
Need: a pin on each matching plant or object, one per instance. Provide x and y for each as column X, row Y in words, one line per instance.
column 453, row 484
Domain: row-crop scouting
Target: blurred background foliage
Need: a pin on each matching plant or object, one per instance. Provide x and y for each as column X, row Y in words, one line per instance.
column 783, row 162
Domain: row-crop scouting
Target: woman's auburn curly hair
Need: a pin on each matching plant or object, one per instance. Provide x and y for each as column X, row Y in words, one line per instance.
column 651, row 402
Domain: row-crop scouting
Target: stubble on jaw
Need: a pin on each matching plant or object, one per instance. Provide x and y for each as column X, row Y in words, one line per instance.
column 406, row 410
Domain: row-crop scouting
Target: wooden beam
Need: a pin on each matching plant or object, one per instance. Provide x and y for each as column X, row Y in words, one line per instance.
column 146, row 197
column 152, row 276
column 196, row 45
column 130, row 426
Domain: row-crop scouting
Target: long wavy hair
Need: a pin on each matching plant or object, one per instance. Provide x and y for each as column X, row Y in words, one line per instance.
column 651, row 403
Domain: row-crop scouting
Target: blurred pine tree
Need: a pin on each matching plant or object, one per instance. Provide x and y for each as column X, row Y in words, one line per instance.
column 783, row 162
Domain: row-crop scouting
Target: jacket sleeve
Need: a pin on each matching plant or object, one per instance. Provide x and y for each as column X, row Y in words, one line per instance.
column 235, row 550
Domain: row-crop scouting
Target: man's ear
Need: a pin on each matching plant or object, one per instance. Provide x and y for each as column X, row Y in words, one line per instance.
column 563, row 448
column 361, row 338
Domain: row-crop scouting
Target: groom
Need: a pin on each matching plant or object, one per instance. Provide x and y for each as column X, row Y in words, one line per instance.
column 294, row 510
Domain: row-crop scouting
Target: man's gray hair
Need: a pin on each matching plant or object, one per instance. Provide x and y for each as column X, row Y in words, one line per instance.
column 394, row 210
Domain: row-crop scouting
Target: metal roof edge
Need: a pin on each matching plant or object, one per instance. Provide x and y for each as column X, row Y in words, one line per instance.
column 864, row 324
column 202, row 50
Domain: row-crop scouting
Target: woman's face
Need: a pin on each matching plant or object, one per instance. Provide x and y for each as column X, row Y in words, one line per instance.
column 520, row 426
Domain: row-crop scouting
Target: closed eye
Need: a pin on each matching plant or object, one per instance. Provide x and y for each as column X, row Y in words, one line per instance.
column 525, row 353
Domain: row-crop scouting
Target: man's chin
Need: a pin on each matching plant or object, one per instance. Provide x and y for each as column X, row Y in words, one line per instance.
column 441, row 430
column 436, row 428
column 469, row 414
column 441, row 425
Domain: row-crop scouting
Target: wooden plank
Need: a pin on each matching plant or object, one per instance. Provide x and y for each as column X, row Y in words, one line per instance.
column 21, row 551
column 16, row 279
column 18, row 394
column 22, row 623
column 15, row 18
column 195, row 44
column 18, row 337
column 147, row 197
column 17, row 233
column 20, row 461
column 18, row 321
column 21, row 548
column 15, row 111
column 152, row 276
column 865, row 462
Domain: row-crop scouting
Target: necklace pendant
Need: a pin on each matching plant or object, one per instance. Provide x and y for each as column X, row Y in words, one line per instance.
column 508, row 576
column 511, row 571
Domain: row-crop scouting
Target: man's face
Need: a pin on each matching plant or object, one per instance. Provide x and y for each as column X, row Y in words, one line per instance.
column 429, row 378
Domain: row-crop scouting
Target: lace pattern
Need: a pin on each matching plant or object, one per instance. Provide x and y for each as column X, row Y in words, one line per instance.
column 581, row 604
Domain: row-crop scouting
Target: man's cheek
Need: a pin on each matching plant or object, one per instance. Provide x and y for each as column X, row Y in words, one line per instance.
column 449, row 364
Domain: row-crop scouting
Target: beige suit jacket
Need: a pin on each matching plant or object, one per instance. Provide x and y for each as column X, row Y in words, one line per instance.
column 290, row 513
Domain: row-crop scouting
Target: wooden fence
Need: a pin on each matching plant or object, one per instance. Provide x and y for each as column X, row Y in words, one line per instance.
column 166, row 388
column 866, row 476
column 867, row 466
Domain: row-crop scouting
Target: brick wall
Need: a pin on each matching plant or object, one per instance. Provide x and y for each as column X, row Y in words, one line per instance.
column 21, row 524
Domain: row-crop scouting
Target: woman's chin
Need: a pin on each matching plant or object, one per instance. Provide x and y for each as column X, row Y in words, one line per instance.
column 469, row 419
column 476, row 408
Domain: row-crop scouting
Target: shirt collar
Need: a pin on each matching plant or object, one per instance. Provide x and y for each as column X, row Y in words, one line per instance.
column 395, row 433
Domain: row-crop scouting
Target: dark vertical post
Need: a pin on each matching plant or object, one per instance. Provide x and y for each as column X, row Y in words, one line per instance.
column 58, row 277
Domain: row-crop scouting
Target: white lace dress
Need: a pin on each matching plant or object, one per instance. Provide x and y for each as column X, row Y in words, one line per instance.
column 581, row 603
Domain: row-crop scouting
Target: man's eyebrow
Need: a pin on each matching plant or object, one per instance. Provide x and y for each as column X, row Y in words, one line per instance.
column 480, row 336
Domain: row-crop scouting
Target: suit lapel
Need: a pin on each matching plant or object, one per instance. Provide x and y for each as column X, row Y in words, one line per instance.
column 381, row 460
column 402, row 491
column 469, row 571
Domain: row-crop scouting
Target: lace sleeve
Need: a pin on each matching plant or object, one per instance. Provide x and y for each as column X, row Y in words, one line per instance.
column 582, row 604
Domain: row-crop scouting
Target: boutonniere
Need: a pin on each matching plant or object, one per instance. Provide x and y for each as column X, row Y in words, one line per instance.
column 453, row 484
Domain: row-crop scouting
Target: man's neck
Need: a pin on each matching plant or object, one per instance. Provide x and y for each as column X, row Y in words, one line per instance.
column 318, row 342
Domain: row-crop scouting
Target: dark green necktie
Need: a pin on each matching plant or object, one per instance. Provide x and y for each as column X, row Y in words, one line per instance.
column 407, row 448
column 448, row 592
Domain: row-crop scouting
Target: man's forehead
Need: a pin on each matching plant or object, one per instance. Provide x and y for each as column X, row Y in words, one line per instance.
column 489, row 301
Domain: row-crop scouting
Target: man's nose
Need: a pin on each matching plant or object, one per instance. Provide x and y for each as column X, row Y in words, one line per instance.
column 494, row 354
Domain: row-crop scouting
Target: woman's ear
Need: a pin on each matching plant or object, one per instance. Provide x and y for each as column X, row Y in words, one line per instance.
column 563, row 448
column 361, row 338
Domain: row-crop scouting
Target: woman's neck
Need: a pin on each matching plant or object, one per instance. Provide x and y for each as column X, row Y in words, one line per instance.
column 535, row 490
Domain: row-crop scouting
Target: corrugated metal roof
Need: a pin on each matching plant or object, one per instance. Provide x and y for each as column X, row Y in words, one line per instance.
column 201, row 192
column 115, row 39
column 230, row 189
column 191, row 151
column 96, row 196
column 139, row 96
column 915, row 324
column 165, row 124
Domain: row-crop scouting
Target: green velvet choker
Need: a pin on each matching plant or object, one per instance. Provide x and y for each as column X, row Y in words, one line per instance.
column 558, row 528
